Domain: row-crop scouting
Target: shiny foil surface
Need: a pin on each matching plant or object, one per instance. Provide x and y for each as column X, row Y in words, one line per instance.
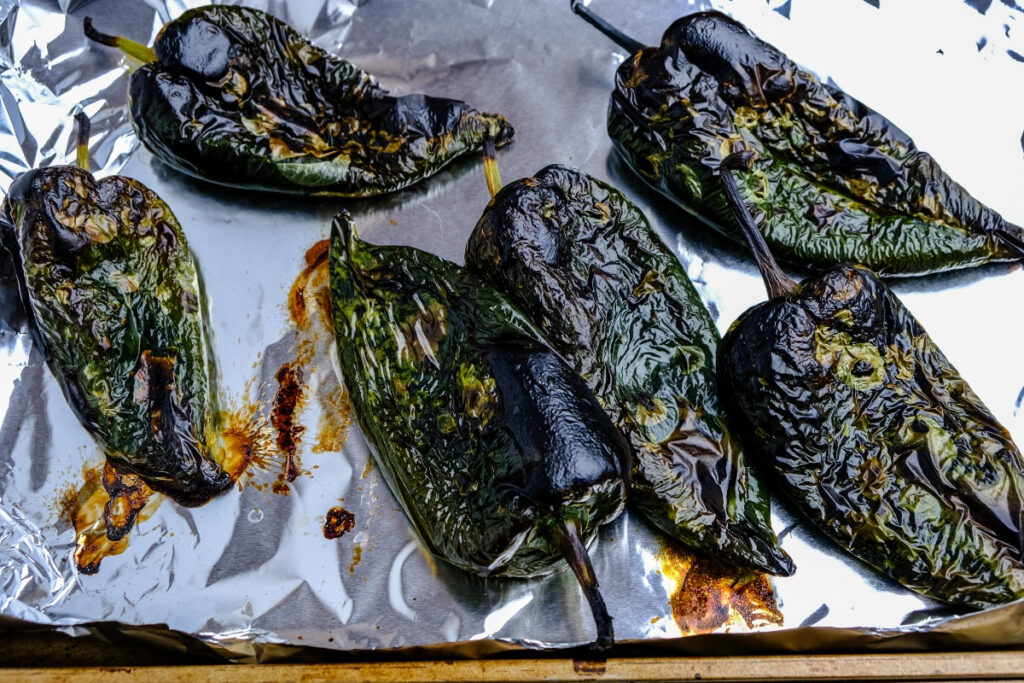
column 253, row 573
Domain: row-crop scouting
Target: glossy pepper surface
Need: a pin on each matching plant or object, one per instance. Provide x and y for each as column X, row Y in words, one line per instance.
column 234, row 96
column 832, row 181
column 501, row 457
column 585, row 265
column 115, row 304
column 875, row 436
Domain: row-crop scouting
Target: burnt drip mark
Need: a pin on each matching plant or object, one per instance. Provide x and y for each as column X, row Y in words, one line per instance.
column 283, row 417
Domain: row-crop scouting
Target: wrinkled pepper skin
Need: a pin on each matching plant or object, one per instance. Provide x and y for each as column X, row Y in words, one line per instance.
column 237, row 97
column 585, row 265
column 877, row 438
column 115, row 304
column 832, row 181
column 485, row 436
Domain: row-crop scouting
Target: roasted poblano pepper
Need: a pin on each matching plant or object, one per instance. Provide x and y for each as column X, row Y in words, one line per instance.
column 832, row 181
column 585, row 265
column 873, row 434
column 115, row 304
column 234, row 96
column 501, row 457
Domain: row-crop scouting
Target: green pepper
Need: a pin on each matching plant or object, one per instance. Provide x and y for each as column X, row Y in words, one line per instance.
column 499, row 454
column 873, row 434
column 832, row 181
column 584, row 264
column 115, row 304
column 234, row 96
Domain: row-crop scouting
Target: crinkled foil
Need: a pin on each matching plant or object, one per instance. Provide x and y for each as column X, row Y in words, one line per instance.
column 251, row 573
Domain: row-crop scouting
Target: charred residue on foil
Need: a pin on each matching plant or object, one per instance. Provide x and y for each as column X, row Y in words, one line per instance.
column 103, row 510
column 337, row 522
column 706, row 596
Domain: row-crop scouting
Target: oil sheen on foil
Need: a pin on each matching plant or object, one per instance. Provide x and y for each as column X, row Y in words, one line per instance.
column 328, row 559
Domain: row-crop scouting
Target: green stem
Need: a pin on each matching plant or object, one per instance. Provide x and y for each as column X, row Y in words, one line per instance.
column 134, row 50
column 775, row 280
column 82, row 146
column 569, row 538
column 491, row 166
column 621, row 39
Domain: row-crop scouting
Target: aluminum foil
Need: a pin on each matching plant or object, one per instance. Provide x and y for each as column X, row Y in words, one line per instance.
column 251, row 573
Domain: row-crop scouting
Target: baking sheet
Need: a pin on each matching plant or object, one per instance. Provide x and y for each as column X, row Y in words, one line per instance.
column 251, row 573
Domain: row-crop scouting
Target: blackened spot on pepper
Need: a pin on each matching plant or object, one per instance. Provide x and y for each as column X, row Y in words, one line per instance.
column 862, row 368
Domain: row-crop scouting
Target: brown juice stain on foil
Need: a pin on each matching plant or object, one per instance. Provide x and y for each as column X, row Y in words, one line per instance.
column 102, row 512
column 357, row 556
column 706, row 596
column 332, row 429
column 309, row 305
column 338, row 522
column 246, row 443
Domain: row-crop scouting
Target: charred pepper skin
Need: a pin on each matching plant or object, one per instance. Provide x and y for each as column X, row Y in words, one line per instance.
column 238, row 98
column 878, row 439
column 487, row 438
column 584, row 264
column 873, row 434
column 833, row 181
column 115, row 304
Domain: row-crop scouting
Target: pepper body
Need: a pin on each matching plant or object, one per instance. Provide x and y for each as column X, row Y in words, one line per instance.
column 832, row 181
column 877, row 438
column 585, row 265
column 115, row 304
column 485, row 436
column 237, row 97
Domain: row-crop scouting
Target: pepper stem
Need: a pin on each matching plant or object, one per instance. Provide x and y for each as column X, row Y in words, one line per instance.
column 775, row 279
column 620, row 38
column 82, row 145
column 491, row 166
column 569, row 538
column 138, row 51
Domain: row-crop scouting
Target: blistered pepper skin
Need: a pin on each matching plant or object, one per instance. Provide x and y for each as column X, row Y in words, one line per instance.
column 486, row 437
column 585, row 265
column 237, row 97
column 877, row 438
column 832, row 181
column 115, row 304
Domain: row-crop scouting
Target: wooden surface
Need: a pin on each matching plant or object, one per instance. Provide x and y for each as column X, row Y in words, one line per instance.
column 880, row 667
column 42, row 655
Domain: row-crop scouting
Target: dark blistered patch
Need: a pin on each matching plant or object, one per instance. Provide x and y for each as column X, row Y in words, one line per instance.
column 982, row 42
column 785, row 8
column 874, row 3
column 338, row 522
column 980, row 5
column 1015, row 55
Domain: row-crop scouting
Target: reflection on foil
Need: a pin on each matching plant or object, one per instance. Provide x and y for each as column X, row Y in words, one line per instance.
column 252, row 572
